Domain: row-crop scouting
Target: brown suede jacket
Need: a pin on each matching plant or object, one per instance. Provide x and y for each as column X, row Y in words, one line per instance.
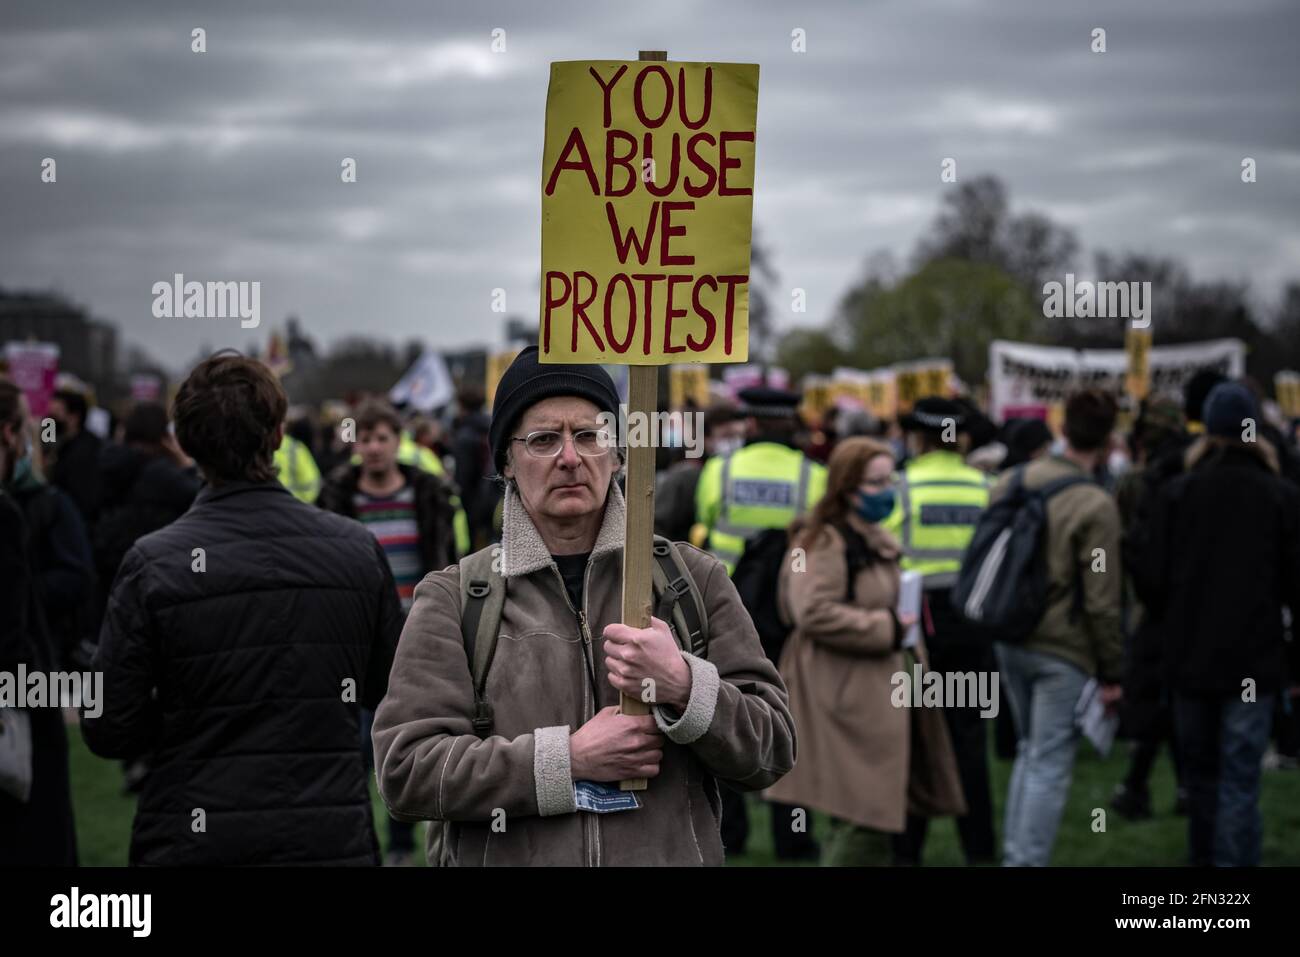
column 510, row 797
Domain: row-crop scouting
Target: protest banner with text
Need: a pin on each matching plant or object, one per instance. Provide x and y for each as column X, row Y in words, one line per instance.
column 647, row 204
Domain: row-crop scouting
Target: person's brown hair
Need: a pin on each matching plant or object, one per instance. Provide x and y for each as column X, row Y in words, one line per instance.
column 373, row 412
column 847, row 465
column 226, row 414
column 1089, row 419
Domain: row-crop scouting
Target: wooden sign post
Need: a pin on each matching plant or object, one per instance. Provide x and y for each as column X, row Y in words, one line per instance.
column 647, row 209
column 639, row 490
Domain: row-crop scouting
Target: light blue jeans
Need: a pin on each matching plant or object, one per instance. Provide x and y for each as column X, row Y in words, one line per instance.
column 1043, row 691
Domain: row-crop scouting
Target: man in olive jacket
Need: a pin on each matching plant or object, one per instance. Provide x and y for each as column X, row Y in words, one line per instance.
column 558, row 744
column 1077, row 638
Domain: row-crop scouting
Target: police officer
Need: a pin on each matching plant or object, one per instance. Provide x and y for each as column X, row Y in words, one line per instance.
column 938, row 504
column 764, row 485
column 297, row 470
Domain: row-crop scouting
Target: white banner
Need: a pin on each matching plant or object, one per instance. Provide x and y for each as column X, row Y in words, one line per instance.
column 1026, row 380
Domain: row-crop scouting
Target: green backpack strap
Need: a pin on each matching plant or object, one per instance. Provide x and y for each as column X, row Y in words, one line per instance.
column 482, row 597
column 680, row 601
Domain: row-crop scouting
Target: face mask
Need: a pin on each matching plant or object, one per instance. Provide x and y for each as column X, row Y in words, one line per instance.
column 874, row 507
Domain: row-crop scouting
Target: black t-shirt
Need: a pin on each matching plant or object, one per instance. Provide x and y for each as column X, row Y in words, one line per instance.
column 573, row 568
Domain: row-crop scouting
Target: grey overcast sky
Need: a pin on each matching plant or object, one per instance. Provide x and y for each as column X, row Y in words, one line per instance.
column 225, row 165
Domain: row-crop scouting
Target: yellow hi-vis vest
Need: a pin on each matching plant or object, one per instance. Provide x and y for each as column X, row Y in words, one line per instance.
column 296, row 469
column 410, row 452
column 764, row 485
column 939, row 501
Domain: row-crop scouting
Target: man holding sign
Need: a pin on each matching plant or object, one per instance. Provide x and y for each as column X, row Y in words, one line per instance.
column 537, row 712
column 522, row 760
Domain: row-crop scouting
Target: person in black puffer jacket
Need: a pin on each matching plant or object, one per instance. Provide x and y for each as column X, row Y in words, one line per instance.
column 240, row 643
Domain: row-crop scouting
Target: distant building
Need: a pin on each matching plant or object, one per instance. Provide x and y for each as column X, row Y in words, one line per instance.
column 88, row 348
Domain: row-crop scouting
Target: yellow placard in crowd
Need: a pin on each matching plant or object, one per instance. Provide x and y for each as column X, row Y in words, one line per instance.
column 816, row 397
column 916, row 380
column 1287, row 386
column 647, row 203
column 497, row 363
column 882, row 394
column 1137, row 346
column 689, row 381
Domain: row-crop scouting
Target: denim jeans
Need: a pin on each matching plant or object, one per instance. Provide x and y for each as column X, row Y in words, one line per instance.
column 1043, row 691
column 1222, row 740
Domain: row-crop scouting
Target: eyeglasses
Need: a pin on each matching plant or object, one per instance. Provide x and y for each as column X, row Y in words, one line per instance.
column 548, row 444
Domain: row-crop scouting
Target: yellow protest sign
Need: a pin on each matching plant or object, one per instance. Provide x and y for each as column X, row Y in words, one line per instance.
column 1137, row 346
column 919, row 379
column 1286, row 384
column 497, row 364
column 689, row 381
column 847, row 387
column 816, row 397
column 647, row 203
column 882, row 394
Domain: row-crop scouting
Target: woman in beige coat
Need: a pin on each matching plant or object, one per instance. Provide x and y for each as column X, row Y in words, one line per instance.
column 862, row 760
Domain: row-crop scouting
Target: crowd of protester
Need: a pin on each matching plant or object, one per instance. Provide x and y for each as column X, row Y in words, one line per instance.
column 241, row 573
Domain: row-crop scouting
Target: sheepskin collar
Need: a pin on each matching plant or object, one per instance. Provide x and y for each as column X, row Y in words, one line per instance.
column 522, row 549
column 1208, row 450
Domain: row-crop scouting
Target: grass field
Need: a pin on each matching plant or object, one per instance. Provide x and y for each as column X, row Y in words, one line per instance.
column 104, row 817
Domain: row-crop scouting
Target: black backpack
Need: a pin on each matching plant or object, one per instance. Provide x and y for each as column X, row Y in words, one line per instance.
column 1002, row 585
column 759, row 570
column 755, row 578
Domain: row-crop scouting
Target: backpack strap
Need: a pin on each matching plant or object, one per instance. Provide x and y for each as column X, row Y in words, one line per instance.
column 673, row 583
column 1046, row 492
column 482, row 598
column 1061, row 484
column 1018, row 479
column 857, row 555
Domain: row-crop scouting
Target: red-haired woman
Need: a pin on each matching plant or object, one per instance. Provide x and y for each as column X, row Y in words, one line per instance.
column 861, row 758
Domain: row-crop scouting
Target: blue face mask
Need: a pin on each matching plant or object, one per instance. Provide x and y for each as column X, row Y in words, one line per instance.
column 874, row 507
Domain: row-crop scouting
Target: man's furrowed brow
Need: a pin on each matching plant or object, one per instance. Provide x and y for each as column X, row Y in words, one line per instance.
column 557, row 425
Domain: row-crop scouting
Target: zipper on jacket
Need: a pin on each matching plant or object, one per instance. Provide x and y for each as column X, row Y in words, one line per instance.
column 590, row 826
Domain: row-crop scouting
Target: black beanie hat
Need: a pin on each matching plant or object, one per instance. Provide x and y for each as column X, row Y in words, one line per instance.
column 528, row 382
column 1227, row 405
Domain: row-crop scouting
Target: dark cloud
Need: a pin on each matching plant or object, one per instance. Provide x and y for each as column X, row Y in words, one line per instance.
column 226, row 165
